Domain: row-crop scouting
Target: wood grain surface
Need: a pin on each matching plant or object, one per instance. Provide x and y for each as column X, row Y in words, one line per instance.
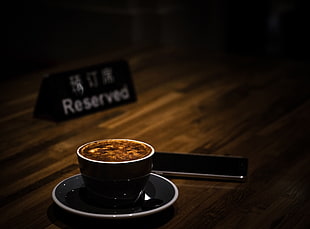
column 189, row 101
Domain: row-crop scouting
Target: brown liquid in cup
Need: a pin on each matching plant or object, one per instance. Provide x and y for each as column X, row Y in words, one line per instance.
column 115, row 150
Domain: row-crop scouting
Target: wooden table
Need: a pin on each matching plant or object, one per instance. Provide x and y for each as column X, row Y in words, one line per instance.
column 188, row 101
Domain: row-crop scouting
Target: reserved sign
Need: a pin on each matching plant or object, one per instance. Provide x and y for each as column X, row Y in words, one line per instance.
column 82, row 91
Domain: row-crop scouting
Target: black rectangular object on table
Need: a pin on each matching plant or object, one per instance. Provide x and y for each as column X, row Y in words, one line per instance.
column 200, row 166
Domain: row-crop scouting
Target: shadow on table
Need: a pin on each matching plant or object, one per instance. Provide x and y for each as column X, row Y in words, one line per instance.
column 64, row 219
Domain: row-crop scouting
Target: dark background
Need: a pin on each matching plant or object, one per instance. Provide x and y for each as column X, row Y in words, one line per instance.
column 41, row 34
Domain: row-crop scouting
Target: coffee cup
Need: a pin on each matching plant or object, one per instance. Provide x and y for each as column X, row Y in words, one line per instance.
column 115, row 171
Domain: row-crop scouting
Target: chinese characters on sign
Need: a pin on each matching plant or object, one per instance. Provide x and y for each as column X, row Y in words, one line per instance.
column 93, row 80
column 76, row 84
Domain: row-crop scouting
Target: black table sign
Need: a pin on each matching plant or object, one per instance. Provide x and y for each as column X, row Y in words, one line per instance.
column 82, row 91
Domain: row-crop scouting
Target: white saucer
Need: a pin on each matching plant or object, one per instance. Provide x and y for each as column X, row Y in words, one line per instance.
column 67, row 195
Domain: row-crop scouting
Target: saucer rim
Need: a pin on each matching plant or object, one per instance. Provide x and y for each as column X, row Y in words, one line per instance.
column 115, row 216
